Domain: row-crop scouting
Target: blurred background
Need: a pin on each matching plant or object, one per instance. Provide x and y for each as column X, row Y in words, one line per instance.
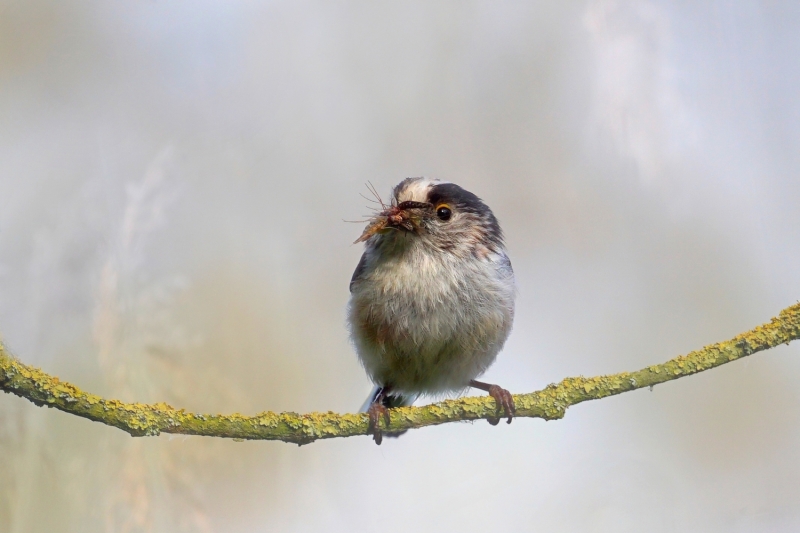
column 174, row 178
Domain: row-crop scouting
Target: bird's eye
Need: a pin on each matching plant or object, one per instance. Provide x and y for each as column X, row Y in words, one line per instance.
column 443, row 212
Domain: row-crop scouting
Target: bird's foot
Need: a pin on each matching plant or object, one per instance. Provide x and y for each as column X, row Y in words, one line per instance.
column 502, row 397
column 376, row 409
column 504, row 400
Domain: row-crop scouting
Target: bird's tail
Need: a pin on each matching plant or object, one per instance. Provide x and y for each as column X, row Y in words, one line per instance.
column 389, row 401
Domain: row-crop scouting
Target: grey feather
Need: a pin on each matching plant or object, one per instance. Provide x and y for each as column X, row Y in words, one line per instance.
column 359, row 271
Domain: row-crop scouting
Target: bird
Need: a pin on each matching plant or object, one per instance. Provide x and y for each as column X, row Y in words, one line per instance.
column 431, row 299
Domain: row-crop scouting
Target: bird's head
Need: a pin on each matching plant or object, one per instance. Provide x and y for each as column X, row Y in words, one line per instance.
column 438, row 214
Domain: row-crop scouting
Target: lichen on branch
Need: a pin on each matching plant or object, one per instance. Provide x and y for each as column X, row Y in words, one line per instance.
column 550, row 403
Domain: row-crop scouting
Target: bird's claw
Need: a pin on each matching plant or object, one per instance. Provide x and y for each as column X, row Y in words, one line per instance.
column 375, row 411
column 505, row 401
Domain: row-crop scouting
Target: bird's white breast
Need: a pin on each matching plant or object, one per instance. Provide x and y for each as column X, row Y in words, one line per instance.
column 429, row 323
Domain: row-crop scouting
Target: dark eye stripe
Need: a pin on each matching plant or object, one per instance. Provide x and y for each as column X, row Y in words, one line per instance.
column 412, row 205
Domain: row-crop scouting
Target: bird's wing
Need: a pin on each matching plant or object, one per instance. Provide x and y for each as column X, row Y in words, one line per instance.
column 360, row 268
column 502, row 263
column 505, row 263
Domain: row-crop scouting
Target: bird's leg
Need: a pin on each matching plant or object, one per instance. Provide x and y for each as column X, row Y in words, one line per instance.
column 376, row 409
column 501, row 396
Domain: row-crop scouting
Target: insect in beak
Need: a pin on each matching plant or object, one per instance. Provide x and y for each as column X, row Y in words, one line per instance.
column 401, row 216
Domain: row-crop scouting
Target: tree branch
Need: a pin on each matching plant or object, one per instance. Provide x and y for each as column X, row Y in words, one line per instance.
column 550, row 403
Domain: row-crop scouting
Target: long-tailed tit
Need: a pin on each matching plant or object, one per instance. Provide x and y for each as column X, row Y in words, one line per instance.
column 432, row 298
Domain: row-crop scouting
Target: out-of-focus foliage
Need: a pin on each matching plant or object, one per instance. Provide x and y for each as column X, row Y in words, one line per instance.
column 173, row 179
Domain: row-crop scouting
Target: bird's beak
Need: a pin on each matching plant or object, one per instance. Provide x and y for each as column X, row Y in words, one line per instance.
column 403, row 216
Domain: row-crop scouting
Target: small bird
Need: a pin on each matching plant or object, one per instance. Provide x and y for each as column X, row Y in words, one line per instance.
column 432, row 298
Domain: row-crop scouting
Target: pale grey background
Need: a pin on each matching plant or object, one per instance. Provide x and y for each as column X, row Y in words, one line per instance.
column 173, row 180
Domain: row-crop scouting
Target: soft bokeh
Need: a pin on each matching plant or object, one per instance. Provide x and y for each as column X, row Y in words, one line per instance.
column 174, row 178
